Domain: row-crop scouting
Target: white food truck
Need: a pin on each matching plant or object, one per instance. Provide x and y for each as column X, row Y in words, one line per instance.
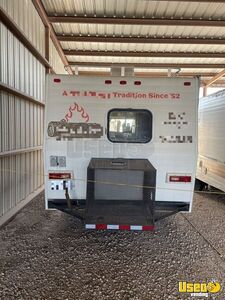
column 211, row 160
column 120, row 152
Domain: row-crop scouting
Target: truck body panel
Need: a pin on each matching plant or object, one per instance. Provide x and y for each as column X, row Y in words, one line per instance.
column 77, row 129
column 211, row 160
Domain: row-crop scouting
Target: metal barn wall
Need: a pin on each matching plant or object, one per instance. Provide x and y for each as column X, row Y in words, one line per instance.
column 55, row 60
column 26, row 17
column 21, row 120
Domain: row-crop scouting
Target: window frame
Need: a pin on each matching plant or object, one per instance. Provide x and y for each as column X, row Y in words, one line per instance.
column 128, row 110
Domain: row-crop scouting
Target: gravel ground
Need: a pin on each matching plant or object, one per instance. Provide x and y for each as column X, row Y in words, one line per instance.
column 48, row 255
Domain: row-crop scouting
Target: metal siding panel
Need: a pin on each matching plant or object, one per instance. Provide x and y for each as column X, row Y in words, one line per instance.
column 42, row 126
column 42, row 167
column 34, row 68
column 28, row 20
column 5, row 117
column 27, row 105
column 3, row 4
column 6, row 185
column 23, row 127
column 4, row 54
column 18, row 180
column 1, row 122
column 27, row 77
column 1, row 186
column 17, row 63
column 55, row 60
column 31, row 123
column 35, row 126
column 35, row 170
column 12, row 181
column 17, row 124
column 10, row 50
column 31, row 170
column 37, row 80
column 27, row 174
column 12, row 126
column 38, row 168
column 31, row 78
column 23, row 175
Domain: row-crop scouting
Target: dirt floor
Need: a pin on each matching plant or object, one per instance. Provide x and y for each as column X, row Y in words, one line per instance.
column 48, row 255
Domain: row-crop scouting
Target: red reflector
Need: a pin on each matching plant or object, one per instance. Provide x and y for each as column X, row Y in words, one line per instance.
column 187, row 83
column 108, row 81
column 137, row 82
column 59, row 176
column 124, row 227
column 123, row 82
column 57, row 80
column 148, row 227
column 174, row 178
column 101, row 226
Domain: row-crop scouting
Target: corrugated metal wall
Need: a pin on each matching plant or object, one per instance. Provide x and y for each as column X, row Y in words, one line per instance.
column 26, row 17
column 55, row 60
column 22, row 121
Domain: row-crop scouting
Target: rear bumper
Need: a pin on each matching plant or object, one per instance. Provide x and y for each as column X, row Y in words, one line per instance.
column 128, row 215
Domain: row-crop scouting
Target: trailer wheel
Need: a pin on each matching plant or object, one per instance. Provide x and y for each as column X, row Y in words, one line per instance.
column 199, row 185
column 51, row 130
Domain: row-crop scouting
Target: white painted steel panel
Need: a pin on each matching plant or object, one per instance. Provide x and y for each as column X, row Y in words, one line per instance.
column 212, row 126
column 165, row 157
column 211, row 161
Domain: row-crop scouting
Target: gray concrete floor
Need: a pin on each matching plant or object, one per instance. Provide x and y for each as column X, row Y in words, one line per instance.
column 48, row 255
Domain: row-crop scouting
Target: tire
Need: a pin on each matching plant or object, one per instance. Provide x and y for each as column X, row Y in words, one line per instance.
column 199, row 185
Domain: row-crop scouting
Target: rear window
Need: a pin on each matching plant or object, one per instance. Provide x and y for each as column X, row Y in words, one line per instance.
column 129, row 126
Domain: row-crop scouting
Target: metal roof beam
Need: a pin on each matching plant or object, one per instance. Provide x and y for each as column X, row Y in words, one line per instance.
column 215, row 78
column 148, row 65
column 137, row 21
column 144, row 54
column 41, row 11
column 140, row 40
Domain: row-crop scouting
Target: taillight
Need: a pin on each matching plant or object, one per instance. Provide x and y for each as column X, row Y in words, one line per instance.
column 59, row 175
column 178, row 178
column 187, row 83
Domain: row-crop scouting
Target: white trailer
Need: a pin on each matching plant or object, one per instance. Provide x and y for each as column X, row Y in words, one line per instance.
column 122, row 148
column 211, row 160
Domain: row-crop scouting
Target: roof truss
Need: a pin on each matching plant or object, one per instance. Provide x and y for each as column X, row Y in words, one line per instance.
column 137, row 21
column 144, row 54
column 48, row 20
